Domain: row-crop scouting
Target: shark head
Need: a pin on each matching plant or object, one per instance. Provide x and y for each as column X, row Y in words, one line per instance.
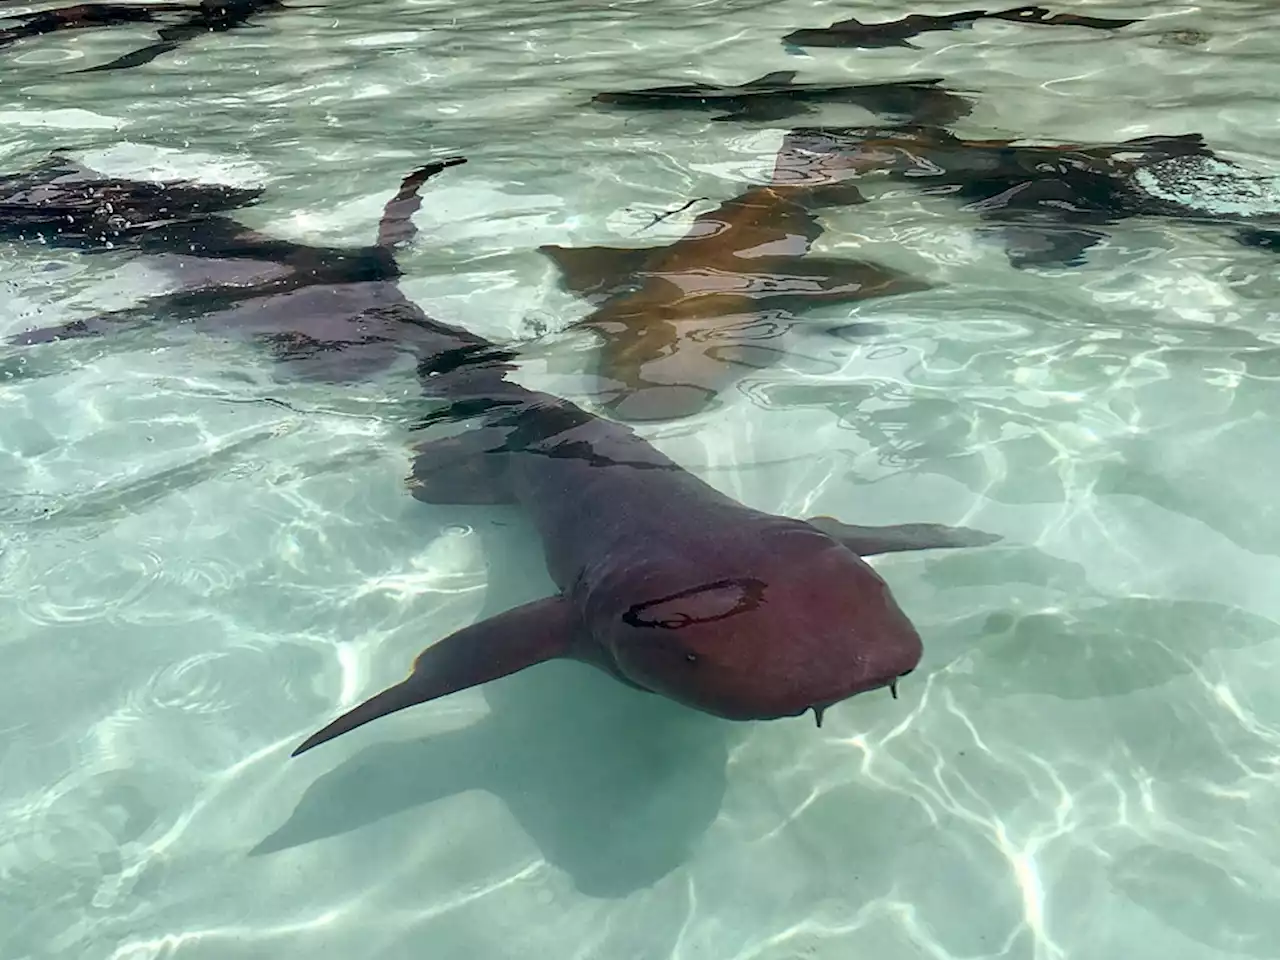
column 788, row 623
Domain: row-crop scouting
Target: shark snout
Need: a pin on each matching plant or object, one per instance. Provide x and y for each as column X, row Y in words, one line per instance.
column 782, row 691
column 819, row 709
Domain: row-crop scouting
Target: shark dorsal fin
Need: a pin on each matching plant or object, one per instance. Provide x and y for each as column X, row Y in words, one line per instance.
column 779, row 78
column 597, row 271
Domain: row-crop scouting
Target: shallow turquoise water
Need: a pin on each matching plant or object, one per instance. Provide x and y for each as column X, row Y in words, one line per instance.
column 192, row 579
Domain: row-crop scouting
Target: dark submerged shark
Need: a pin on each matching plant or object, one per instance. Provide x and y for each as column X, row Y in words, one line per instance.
column 897, row 33
column 61, row 203
column 680, row 323
column 328, row 313
column 208, row 16
column 775, row 96
column 78, row 17
column 664, row 583
column 1049, row 203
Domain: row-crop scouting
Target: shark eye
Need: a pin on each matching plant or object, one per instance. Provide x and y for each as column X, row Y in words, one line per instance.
column 702, row 604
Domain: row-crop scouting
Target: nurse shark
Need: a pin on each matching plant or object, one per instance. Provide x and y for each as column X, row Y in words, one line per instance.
column 663, row 582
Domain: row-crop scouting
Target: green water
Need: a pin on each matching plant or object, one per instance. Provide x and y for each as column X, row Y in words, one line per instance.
column 192, row 578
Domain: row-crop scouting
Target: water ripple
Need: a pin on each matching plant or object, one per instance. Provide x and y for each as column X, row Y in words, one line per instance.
column 77, row 590
column 207, row 683
column 199, row 561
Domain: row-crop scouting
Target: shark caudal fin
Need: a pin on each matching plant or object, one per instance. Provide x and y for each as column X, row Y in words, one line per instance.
column 502, row 645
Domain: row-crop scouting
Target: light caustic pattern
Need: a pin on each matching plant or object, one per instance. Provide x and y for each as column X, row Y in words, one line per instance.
column 201, row 563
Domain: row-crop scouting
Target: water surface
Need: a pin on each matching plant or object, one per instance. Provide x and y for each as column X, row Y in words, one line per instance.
column 201, row 561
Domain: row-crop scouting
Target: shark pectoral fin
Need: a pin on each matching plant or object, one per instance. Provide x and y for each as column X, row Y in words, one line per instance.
column 779, row 78
column 134, row 59
column 498, row 647
column 467, row 468
column 867, row 541
column 594, row 271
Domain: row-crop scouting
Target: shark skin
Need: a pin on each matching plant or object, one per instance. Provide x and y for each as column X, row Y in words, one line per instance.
column 681, row 323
